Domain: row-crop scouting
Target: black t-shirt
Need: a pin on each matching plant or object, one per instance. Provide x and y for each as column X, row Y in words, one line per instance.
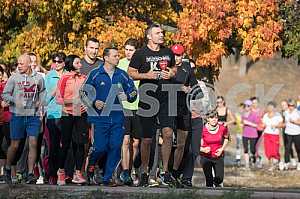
column 87, row 67
column 186, row 76
column 145, row 60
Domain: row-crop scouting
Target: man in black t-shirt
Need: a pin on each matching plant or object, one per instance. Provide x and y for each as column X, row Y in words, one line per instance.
column 154, row 65
column 90, row 60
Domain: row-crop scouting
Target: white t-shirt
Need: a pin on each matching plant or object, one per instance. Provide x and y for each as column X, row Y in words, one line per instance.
column 273, row 121
column 292, row 129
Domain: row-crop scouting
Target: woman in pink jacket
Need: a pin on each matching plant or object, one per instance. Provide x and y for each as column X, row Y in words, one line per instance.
column 74, row 119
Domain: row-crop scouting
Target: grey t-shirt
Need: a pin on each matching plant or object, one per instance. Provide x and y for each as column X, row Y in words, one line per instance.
column 87, row 67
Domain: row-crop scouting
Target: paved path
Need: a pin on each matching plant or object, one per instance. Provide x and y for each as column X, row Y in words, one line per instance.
column 47, row 191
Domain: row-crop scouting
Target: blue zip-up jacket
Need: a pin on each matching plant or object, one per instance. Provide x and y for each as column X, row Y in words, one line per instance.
column 99, row 86
column 54, row 110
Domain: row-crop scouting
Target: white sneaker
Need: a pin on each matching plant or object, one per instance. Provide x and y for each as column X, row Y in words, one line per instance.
column 40, row 180
column 298, row 166
column 153, row 183
column 134, row 177
column 286, row 166
column 293, row 162
column 281, row 166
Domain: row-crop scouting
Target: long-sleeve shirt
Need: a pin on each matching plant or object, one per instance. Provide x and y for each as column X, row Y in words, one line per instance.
column 25, row 93
column 99, row 85
column 67, row 93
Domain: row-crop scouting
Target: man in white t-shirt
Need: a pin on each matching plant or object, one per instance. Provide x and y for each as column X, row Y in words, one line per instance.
column 272, row 121
column 292, row 131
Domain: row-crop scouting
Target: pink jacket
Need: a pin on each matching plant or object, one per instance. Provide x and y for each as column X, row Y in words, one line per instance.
column 67, row 93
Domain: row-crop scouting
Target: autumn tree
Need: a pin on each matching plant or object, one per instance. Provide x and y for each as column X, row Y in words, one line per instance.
column 209, row 29
column 290, row 15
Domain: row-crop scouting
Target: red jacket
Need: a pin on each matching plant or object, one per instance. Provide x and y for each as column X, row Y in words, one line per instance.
column 5, row 115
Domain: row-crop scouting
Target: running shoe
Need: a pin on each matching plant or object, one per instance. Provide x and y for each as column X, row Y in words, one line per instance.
column 169, row 180
column 187, row 183
column 40, row 180
column 144, row 180
column 78, row 178
column 126, row 178
column 135, row 178
column 7, row 174
column 61, row 177
column 31, row 179
column 153, row 183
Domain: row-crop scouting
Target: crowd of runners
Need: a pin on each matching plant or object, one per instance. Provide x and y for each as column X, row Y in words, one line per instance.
column 111, row 121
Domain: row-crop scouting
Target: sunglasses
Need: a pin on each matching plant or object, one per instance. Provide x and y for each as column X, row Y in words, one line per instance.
column 58, row 61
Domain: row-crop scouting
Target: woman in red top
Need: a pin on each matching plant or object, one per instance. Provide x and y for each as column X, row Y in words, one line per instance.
column 74, row 126
column 4, row 120
column 214, row 140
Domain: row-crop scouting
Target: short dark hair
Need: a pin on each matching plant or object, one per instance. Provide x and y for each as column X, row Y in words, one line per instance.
column 212, row 113
column 149, row 29
column 242, row 105
column 107, row 50
column 92, row 39
column 60, row 55
column 69, row 62
column 272, row 103
column 2, row 71
column 254, row 98
column 32, row 54
column 132, row 42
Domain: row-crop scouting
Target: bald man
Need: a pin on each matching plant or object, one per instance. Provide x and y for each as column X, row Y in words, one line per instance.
column 24, row 94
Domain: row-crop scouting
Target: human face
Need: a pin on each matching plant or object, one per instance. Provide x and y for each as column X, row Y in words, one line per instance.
column 129, row 51
column 178, row 60
column 59, row 63
column 220, row 102
column 33, row 62
column 284, row 105
column 156, row 35
column 291, row 107
column 247, row 108
column 213, row 121
column 112, row 58
column 192, row 65
column 241, row 109
column 270, row 108
column 255, row 104
column 77, row 64
column 92, row 49
column 23, row 64
column 5, row 76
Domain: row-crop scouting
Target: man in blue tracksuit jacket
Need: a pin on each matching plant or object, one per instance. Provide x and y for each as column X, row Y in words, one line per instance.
column 102, row 92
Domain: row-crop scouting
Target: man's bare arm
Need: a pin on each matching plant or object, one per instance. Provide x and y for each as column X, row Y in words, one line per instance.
column 134, row 74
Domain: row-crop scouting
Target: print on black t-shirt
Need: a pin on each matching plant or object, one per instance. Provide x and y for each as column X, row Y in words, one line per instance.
column 145, row 60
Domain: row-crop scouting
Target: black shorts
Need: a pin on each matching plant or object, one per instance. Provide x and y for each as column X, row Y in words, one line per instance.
column 183, row 119
column 132, row 125
column 159, row 121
